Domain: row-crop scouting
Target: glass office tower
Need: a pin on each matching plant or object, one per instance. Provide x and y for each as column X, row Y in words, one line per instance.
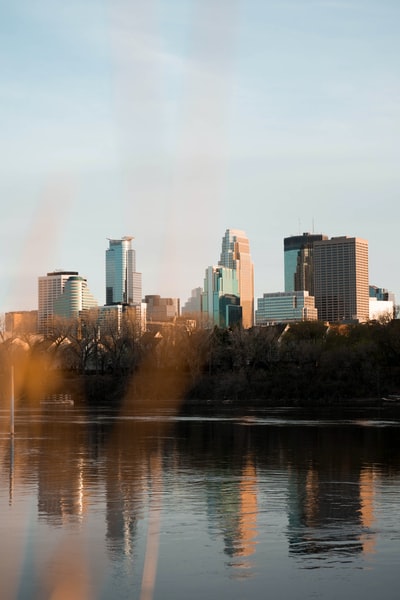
column 220, row 299
column 236, row 255
column 123, row 283
column 298, row 258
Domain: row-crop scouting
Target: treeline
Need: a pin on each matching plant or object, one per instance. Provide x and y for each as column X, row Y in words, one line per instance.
column 305, row 362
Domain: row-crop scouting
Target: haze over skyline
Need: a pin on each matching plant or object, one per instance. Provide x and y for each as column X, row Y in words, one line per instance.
column 173, row 120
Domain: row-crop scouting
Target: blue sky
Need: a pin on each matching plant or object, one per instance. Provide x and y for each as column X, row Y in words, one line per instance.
column 172, row 120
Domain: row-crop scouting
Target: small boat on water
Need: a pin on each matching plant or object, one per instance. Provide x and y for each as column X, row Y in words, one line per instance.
column 391, row 399
column 57, row 400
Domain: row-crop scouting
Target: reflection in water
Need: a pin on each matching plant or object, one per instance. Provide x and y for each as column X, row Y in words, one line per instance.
column 247, row 530
column 11, row 485
column 232, row 506
column 62, row 472
column 153, row 533
column 331, row 500
column 321, row 505
column 367, row 494
column 130, row 499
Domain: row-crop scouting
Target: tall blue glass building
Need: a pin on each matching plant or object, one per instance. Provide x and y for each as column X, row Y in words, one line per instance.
column 123, row 283
column 220, row 299
column 299, row 266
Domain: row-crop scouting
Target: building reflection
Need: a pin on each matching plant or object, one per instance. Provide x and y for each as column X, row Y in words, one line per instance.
column 323, row 479
column 124, row 488
column 330, row 513
column 319, row 507
column 133, row 476
column 367, row 493
column 64, row 469
column 232, row 509
column 247, row 529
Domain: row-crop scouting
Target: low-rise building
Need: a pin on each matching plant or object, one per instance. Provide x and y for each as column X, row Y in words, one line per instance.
column 285, row 307
column 21, row 321
column 161, row 309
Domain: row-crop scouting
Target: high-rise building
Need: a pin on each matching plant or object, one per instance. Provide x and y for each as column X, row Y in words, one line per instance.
column 193, row 305
column 298, row 258
column 341, row 285
column 50, row 287
column 62, row 294
column 220, row 299
column 123, row 283
column 236, row 255
column 76, row 297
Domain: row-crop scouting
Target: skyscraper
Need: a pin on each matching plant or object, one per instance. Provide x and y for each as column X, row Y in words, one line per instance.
column 76, row 297
column 235, row 255
column 341, row 279
column 298, row 257
column 50, row 287
column 123, row 283
column 63, row 294
column 193, row 305
column 220, row 303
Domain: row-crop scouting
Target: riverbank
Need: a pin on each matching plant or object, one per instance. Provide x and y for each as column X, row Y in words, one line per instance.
column 179, row 392
column 349, row 409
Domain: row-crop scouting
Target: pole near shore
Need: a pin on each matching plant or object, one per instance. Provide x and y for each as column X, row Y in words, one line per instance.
column 11, row 483
column 12, row 402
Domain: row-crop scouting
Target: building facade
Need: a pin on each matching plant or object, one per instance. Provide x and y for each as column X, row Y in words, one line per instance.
column 298, row 261
column 381, row 310
column 382, row 303
column 193, row 305
column 21, row 321
column 50, row 287
column 285, row 307
column 381, row 294
column 162, row 309
column 114, row 318
column 123, row 282
column 76, row 297
column 341, row 285
column 235, row 255
column 220, row 298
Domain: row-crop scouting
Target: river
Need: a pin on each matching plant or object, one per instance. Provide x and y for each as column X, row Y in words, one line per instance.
column 100, row 505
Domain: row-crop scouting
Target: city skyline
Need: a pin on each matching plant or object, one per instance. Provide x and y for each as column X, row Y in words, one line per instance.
column 173, row 120
column 291, row 246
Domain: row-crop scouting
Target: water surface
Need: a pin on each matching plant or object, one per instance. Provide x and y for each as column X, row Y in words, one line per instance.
column 105, row 505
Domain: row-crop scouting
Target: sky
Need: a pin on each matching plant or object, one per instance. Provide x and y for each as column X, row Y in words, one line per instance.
column 173, row 120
